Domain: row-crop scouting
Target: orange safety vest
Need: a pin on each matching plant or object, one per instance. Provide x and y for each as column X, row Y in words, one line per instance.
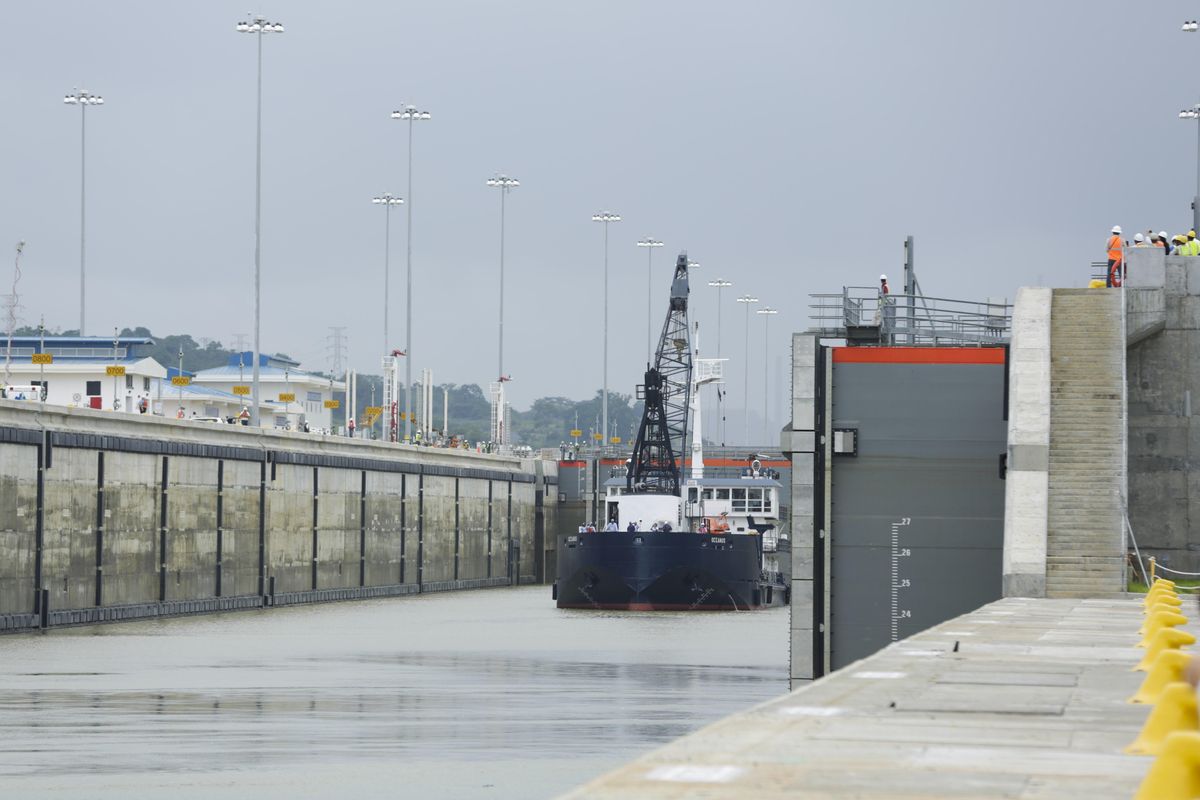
column 1160, row 243
column 1114, row 248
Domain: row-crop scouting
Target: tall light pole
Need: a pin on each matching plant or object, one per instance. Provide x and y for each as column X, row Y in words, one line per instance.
column 749, row 301
column 412, row 114
column 505, row 184
column 649, row 243
column 258, row 26
column 1191, row 26
column 606, row 217
column 720, row 283
column 387, row 201
column 1194, row 113
column 767, row 312
column 83, row 99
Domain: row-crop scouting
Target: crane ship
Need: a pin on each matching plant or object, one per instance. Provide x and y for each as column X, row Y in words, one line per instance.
column 670, row 542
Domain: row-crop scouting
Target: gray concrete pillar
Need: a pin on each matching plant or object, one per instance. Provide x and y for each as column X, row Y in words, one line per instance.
column 1027, row 486
column 799, row 444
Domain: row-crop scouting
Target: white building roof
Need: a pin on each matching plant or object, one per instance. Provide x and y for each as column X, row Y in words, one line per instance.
column 76, row 366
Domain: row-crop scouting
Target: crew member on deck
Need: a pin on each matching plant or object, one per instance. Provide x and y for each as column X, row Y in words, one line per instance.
column 1114, row 257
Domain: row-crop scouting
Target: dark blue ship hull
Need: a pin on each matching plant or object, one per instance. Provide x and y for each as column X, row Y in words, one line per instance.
column 654, row 571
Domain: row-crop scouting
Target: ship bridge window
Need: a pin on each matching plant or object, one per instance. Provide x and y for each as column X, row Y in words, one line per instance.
column 751, row 501
column 722, row 494
column 692, row 494
column 707, row 494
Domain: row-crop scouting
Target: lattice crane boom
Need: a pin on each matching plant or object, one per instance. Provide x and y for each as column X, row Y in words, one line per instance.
column 666, row 393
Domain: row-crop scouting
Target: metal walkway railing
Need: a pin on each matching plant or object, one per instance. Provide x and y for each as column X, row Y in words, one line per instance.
column 861, row 313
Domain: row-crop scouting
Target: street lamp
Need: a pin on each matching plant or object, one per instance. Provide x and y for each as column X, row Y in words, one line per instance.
column 258, row 26
column 1191, row 26
column 720, row 283
column 83, row 99
column 748, row 300
column 766, row 312
column 649, row 243
column 1194, row 113
column 505, row 184
column 606, row 217
column 412, row 114
column 387, row 201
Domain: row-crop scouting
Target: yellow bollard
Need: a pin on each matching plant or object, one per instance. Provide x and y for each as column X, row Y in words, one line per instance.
column 1174, row 711
column 1161, row 599
column 1172, row 603
column 1161, row 586
column 1165, row 639
column 1174, row 775
column 1159, row 589
column 1168, row 668
column 1162, row 619
column 1157, row 608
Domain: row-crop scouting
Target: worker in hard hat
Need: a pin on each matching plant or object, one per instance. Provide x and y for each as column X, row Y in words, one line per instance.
column 1114, row 257
column 1180, row 247
column 1139, row 240
column 1160, row 240
column 886, row 314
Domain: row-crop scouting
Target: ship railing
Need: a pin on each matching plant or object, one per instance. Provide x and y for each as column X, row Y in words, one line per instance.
column 770, row 540
column 910, row 319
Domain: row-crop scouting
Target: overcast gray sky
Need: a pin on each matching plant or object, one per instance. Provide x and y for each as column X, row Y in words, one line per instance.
column 788, row 146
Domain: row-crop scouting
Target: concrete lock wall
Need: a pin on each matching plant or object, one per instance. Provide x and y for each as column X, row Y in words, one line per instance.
column 110, row 517
column 897, row 506
column 1163, row 384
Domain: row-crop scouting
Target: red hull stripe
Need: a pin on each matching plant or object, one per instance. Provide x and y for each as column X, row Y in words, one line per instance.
column 918, row 355
column 687, row 462
column 739, row 462
column 657, row 607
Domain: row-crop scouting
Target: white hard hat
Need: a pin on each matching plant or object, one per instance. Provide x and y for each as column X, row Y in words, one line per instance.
column 1116, row 228
column 1162, row 235
column 1137, row 237
column 883, row 277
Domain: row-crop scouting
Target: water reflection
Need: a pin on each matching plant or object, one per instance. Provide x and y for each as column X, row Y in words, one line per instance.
column 497, row 677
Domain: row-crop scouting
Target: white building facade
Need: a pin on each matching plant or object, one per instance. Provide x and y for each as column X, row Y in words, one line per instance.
column 78, row 372
column 292, row 397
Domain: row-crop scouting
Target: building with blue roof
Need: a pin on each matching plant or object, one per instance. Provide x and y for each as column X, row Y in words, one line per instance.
column 78, row 375
column 297, row 396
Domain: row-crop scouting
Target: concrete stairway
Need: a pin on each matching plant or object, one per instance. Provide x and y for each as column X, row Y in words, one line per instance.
column 1084, row 545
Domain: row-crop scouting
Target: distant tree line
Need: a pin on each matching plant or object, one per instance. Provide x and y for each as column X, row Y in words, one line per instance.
column 547, row 423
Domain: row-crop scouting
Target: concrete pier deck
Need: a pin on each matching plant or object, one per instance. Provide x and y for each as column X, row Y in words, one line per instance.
column 1023, row 698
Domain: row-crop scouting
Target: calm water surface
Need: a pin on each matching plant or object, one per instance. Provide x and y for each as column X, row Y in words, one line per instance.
column 488, row 694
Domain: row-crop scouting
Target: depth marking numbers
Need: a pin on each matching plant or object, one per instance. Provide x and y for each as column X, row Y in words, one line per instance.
column 899, row 583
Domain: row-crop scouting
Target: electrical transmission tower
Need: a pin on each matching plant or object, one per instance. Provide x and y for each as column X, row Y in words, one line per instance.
column 337, row 348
